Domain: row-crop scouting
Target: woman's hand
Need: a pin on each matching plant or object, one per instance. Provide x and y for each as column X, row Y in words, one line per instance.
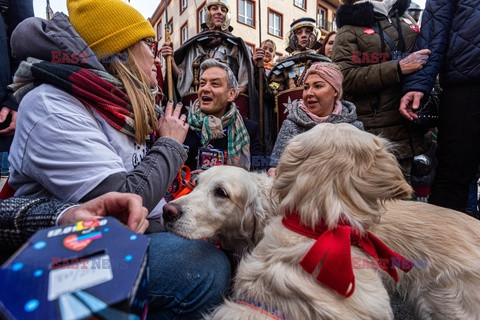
column 126, row 207
column 172, row 124
column 414, row 61
column 257, row 56
column 8, row 128
column 410, row 103
column 272, row 172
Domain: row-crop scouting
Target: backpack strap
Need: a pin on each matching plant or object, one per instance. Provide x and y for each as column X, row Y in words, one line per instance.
column 387, row 38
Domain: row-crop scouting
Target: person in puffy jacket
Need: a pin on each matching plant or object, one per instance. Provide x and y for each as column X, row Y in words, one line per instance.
column 450, row 31
column 321, row 103
column 373, row 48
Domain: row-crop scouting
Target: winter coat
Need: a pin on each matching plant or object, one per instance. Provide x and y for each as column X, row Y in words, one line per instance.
column 298, row 121
column 372, row 79
column 450, row 31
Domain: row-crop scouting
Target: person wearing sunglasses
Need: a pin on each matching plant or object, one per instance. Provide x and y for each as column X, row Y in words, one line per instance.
column 85, row 127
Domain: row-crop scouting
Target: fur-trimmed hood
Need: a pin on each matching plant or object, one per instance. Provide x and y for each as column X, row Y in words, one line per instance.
column 362, row 14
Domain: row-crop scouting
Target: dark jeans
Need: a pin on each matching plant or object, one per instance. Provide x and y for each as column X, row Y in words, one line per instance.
column 458, row 152
column 187, row 277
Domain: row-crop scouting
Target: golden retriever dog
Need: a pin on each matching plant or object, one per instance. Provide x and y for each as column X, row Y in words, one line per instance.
column 229, row 205
column 333, row 173
column 338, row 176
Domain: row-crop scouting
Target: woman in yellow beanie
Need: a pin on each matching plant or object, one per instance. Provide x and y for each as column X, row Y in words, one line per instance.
column 87, row 124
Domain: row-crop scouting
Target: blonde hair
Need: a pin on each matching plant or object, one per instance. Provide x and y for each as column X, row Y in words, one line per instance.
column 269, row 41
column 337, row 172
column 138, row 92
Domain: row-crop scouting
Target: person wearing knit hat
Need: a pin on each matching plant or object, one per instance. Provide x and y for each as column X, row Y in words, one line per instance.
column 108, row 26
column 321, row 103
column 286, row 77
column 329, row 72
column 87, row 86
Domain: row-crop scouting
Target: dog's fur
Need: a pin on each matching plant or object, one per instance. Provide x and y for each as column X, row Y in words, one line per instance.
column 341, row 172
column 229, row 205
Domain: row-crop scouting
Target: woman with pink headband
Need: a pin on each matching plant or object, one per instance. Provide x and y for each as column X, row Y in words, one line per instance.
column 321, row 103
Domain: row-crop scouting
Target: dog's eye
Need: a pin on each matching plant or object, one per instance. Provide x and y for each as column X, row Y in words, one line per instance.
column 221, row 193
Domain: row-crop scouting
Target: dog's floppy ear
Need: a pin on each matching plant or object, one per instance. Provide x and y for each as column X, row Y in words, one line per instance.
column 259, row 207
column 336, row 171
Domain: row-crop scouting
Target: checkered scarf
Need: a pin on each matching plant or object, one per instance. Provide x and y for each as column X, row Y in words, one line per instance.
column 96, row 89
column 211, row 127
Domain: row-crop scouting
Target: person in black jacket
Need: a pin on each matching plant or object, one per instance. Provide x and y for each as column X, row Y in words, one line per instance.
column 450, row 30
column 12, row 12
column 218, row 134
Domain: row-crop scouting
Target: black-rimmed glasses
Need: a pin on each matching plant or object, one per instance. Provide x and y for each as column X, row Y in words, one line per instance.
column 153, row 46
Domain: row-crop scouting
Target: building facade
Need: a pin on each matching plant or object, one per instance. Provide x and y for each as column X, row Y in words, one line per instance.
column 251, row 20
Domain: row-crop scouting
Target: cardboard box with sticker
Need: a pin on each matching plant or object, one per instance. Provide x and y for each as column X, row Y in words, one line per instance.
column 92, row 269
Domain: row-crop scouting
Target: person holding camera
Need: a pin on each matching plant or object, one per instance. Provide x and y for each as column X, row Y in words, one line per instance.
column 374, row 48
column 449, row 30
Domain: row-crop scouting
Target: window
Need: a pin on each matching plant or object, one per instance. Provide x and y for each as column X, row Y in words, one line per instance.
column 183, row 5
column 275, row 23
column 184, row 33
column 246, row 12
column 160, row 30
column 201, row 17
column 300, row 3
column 322, row 18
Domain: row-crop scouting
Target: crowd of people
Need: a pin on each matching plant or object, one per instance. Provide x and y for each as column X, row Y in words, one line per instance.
column 93, row 129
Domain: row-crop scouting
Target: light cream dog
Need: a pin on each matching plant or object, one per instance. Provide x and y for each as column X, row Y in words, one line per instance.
column 340, row 172
column 229, row 205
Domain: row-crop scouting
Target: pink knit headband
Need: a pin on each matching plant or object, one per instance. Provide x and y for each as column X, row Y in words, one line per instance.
column 328, row 72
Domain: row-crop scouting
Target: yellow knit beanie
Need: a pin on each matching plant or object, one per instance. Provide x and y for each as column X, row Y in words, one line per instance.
column 108, row 26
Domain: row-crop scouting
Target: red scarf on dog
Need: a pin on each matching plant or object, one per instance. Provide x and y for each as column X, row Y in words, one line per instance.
column 333, row 248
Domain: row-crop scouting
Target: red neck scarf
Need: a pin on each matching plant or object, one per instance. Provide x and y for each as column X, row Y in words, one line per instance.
column 333, row 248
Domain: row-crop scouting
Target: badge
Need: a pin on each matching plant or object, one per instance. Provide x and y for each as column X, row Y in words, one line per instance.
column 408, row 21
column 368, row 31
column 416, row 29
column 209, row 158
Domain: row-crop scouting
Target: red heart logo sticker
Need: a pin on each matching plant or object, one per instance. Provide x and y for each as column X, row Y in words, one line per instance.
column 415, row 28
column 90, row 223
column 71, row 242
column 368, row 31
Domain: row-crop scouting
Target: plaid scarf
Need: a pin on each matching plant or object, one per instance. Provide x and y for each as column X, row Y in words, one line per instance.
column 211, row 127
column 96, row 89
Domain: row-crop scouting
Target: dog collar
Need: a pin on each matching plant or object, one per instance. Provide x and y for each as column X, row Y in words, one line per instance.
column 333, row 250
column 259, row 307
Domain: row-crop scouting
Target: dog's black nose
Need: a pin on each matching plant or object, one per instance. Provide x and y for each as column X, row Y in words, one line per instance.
column 171, row 212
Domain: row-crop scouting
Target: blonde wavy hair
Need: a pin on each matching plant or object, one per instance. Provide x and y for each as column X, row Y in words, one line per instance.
column 336, row 172
column 138, row 91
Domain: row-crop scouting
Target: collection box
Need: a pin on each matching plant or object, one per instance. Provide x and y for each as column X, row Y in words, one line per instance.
column 90, row 270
